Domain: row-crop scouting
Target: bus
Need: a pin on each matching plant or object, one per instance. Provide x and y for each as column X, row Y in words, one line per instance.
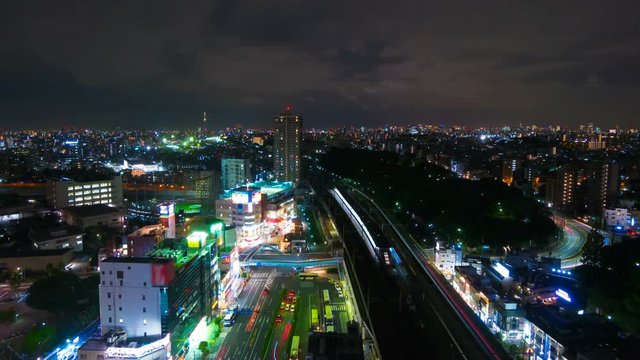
column 328, row 318
column 295, row 343
column 314, row 319
column 307, row 276
column 325, row 296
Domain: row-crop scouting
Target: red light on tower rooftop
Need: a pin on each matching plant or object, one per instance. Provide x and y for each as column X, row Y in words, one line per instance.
column 288, row 108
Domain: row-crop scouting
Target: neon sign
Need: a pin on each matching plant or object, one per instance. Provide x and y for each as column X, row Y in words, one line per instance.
column 501, row 269
column 563, row 295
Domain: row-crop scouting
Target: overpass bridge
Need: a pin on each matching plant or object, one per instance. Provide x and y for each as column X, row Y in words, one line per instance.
column 279, row 261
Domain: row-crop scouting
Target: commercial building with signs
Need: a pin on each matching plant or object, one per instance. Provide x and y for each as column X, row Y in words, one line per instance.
column 168, row 218
column 167, row 293
column 66, row 192
column 247, row 214
column 249, row 207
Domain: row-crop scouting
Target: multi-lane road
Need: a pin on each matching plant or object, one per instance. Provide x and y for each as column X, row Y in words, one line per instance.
column 256, row 334
column 569, row 246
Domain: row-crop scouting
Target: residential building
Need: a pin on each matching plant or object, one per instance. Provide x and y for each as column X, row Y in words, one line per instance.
column 621, row 219
column 601, row 187
column 235, row 173
column 561, row 189
column 286, row 146
column 445, row 258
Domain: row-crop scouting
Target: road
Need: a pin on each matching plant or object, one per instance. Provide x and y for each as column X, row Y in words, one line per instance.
column 247, row 336
column 437, row 306
column 256, row 334
column 569, row 248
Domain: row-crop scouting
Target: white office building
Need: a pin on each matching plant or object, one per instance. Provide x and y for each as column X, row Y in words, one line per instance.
column 66, row 192
column 130, row 298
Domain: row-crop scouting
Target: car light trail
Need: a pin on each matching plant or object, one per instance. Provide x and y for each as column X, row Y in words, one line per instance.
column 469, row 323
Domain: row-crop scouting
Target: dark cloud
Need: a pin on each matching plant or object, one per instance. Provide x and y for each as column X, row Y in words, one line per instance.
column 161, row 63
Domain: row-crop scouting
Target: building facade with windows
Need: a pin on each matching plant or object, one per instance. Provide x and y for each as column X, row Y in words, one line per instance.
column 66, row 192
column 235, row 172
column 287, row 141
column 167, row 293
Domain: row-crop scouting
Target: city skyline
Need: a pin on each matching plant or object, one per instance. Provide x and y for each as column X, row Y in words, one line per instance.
column 108, row 65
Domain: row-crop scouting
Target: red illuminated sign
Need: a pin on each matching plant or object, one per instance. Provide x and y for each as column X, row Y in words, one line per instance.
column 162, row 274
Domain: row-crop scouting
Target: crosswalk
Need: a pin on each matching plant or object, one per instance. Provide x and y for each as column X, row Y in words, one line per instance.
column 260, row 275
column 341, row 307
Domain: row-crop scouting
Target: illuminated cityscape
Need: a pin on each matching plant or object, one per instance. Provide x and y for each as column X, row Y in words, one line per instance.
column 465, row 183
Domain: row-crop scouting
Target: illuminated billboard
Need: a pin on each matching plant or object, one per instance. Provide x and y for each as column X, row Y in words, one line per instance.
column 196, row 239
column 162, row 274
column 240, row 198
column 501, row 269
column 563, row 294
column 246, row 196
column 166, row 209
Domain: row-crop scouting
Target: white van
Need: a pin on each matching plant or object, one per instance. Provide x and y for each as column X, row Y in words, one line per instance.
column 229, row 319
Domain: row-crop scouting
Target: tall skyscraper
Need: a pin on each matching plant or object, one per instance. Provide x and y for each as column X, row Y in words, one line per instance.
column 286, row 146
column 235, row 172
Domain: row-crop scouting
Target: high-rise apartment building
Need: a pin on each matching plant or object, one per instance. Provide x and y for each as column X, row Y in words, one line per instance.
column 235, row 172
column 601, row 187
column 286, row 146
column 66, row 192
column 561, row 189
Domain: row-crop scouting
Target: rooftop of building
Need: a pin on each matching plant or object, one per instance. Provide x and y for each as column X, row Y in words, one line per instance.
column 94, row 345
column 175, row 249
column 569, row 328
column 92, row 210
column 32, row 253
column 270, row 188
column 335, row 346
column 46, row 233
column 149, row 230
column 138, row 260
column 85, row 177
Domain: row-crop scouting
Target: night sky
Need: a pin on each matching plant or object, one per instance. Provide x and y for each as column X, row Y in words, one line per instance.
column 144, row 64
